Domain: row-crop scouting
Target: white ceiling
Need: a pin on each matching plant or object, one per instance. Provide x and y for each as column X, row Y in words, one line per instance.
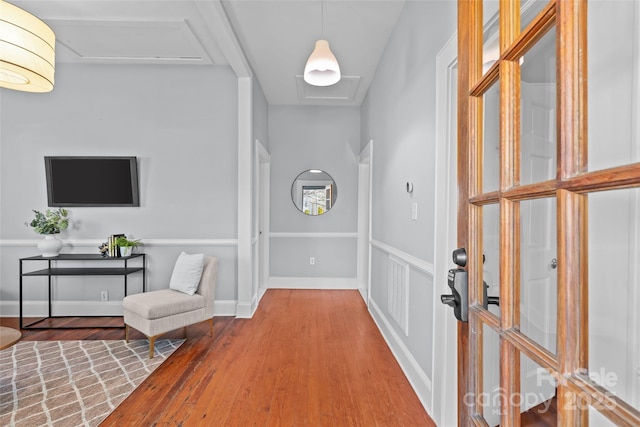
column 276, row 36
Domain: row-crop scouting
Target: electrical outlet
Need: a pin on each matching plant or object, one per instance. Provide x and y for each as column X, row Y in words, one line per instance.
column 104, row 295
column 312, row 261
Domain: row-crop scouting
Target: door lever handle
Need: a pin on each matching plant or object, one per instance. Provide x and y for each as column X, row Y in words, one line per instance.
column 458, row 299
column 486, row 299
column 450, row 300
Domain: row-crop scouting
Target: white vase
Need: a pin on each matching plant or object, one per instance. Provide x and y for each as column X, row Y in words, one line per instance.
column 50, row 246
column 125, row 250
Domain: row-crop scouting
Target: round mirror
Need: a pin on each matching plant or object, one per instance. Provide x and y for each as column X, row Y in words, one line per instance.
column 314, row 192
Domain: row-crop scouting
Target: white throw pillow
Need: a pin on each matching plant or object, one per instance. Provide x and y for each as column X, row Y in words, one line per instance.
column 186, row 273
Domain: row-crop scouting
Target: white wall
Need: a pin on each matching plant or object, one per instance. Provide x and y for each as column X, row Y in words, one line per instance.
column 302, row 138
column 181, row 123
column 399, row 115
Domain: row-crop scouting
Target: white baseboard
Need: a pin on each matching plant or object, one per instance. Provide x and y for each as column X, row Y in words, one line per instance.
column 94, row 243
column 415, row 374
column 363, row 294
column 245, row 310
column 313, row 283
column 224, row 307
column 89, row 308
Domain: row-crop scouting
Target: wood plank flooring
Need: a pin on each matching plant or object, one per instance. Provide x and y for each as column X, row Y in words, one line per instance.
column 307, row 358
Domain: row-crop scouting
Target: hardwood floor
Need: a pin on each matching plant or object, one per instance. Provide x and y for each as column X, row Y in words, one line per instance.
column 307, row 358
column 543, row 415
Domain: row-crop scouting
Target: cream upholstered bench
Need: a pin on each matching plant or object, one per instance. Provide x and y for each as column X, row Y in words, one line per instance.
column 157, row 312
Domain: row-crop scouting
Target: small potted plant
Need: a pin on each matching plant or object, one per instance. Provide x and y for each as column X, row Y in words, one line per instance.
column 50, row 223
column 126, row 246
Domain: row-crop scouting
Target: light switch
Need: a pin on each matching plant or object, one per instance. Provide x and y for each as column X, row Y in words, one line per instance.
column 414, row 212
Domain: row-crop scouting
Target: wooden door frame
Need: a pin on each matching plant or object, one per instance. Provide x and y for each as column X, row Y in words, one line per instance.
column 466, row 10
column 570, row 188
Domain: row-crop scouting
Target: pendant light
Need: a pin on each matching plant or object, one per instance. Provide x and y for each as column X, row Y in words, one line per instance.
column 322, row 67
column 27, row 51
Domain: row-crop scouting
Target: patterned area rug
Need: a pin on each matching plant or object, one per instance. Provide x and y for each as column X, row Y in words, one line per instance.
column 72, row 383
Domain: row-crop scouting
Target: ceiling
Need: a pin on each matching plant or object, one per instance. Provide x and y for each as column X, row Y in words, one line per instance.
column 276, row 37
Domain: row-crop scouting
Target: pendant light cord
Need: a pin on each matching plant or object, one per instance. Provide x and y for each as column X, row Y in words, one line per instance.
column 322, row 18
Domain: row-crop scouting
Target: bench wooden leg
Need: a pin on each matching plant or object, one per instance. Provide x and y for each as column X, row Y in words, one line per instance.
column 126, row 333
column 152, row 343
column 211, row 328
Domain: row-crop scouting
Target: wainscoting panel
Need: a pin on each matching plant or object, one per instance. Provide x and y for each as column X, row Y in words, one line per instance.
column 402, row 305
column 419, row 380
column 398, row 292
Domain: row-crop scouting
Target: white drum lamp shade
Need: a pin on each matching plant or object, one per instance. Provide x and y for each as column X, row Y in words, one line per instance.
column 322, row 67
column 27, row 51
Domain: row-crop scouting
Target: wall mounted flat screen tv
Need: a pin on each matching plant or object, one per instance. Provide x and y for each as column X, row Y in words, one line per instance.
column 92, row 181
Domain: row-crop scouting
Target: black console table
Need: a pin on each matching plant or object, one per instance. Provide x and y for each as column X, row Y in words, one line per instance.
column 54, row 269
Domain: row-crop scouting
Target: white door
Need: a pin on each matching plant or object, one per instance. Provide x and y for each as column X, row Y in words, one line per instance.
column 263, row 174
column 364, row 212
column 538, row 257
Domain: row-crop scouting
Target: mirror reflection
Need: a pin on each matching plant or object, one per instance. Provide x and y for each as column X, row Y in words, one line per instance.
column 314, row 192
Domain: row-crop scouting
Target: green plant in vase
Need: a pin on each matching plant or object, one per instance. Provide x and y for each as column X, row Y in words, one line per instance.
column 126, row 245
column 49, row 223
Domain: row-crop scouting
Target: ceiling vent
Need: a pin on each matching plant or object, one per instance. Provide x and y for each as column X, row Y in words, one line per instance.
column 344, row 90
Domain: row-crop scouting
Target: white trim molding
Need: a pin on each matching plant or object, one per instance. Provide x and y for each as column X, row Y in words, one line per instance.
column 313, row 283
column 246, row 208
column 145, row 242
column 351, row 235
column 246, row 310
column 190, row 242
column 365, row 220
column 224, row 307
column 444, row 354
column 425, row 266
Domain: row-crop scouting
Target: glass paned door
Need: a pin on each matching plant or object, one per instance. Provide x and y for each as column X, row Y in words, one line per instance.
column 549, row 212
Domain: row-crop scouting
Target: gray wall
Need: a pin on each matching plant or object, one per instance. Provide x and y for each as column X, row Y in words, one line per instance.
column 302, row 138
column 181, row 123
column 399, row 115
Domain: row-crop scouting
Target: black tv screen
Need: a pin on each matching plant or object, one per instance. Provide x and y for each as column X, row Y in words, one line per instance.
column 92, row 181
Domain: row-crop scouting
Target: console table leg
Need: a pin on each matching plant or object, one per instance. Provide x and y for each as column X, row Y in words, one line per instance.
column 144, row 273
column 125, row 277
column 20, row 294
column 49, row 262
